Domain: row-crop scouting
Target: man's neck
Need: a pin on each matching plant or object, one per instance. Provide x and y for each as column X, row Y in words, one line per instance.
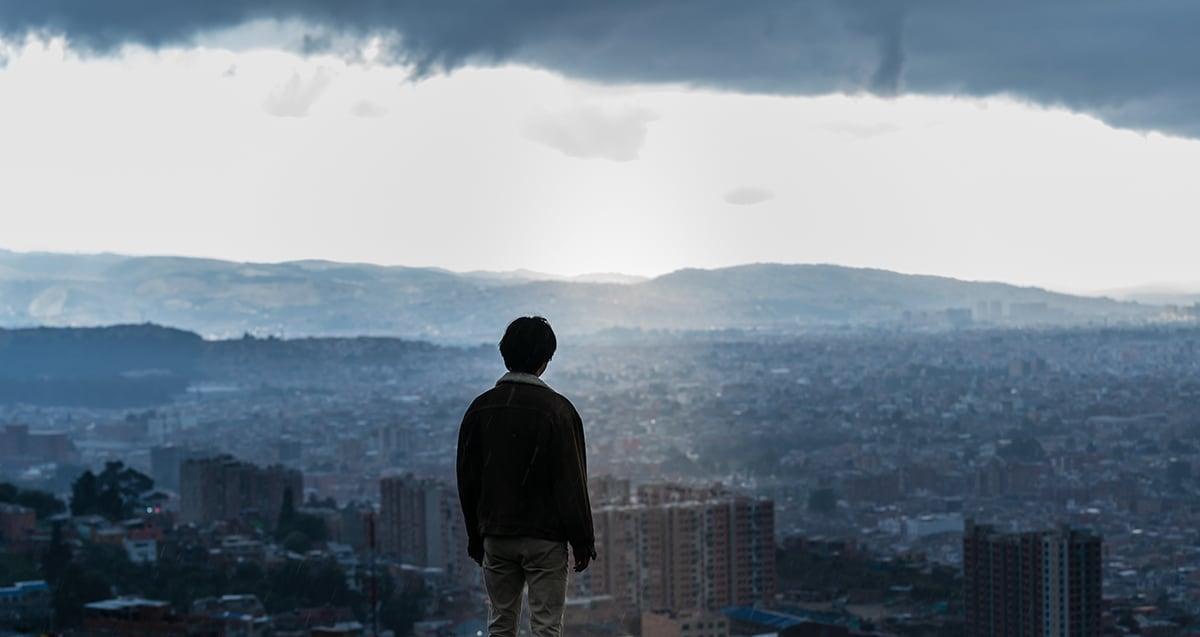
column 523, row 377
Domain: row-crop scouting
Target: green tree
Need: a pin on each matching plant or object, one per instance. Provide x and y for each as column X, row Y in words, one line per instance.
column 296, row 542
column 43, row 504
column 84, row 494
column 296, row 530
column 96, row 573
column 115, row 493
column 57, row 556
column 287, row 512
column 1022, row 448
column 77, row 586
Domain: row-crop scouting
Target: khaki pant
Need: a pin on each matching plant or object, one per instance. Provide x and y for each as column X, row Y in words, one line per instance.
column 509, row 563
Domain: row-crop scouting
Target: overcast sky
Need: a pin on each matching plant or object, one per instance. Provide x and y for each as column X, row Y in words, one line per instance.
column 234, row 142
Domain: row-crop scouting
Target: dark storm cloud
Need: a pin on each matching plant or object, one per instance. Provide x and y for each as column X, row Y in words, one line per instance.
column 1132, row 63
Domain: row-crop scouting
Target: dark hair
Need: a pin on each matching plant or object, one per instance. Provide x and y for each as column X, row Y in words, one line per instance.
column 527, row 344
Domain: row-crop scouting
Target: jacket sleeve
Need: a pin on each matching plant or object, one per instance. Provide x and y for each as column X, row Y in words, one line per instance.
column 570, row 485
column 467, row 468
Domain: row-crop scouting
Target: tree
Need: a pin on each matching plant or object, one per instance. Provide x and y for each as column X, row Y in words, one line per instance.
column 1022, row 448
column 43, row 504
column 57, row 556
column 76, row 587
column 84, row 494
column 287, row 513
column 823, row 501
column 297, row 530
column 296, row 542
column 115, row 493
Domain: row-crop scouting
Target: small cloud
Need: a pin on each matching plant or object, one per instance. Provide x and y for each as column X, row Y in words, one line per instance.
column 365, row 108
column 748, row 196
column 862, row 130
column 592, row 132
column 294, row 97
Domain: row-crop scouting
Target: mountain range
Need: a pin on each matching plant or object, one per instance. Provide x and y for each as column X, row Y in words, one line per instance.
column 1158, row 293
column 313, row 298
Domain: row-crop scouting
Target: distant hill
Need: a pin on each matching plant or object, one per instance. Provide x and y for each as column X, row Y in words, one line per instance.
column 222, row 299
column 1159, row 294
column 118, row 366
column 525, row 276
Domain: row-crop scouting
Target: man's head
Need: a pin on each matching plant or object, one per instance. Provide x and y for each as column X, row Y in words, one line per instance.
column 528, row 344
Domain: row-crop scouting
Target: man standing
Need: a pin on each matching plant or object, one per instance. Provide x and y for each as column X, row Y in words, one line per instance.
column 522, row 483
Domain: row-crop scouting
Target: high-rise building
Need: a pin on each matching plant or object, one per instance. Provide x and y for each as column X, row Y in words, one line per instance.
column 1035, row 584
column 224, row 488
column 421, row 523
column 17, row 525
column 19, row 446
column 680, row 548
column 608, row 490
column 395, row 441
column 166, row 461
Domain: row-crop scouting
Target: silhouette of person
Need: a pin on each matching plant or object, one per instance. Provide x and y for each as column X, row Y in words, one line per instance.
column 522, row 484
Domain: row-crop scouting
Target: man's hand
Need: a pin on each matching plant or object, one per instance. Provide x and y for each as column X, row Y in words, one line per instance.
column 475, row 550
column 583, row 558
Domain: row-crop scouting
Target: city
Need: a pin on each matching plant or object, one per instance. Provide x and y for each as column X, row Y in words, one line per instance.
column 861, row 462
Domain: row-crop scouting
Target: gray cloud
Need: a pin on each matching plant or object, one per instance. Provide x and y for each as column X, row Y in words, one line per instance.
column 294, row 97
column 1133, row 64
column 367, row 108
column 748, row 196
column 592, row 132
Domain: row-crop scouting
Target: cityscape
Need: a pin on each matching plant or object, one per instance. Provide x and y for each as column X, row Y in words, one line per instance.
column 663, row 318
column 863, row 482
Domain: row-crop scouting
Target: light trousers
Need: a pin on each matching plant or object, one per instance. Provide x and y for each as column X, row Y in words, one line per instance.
column 511, row 563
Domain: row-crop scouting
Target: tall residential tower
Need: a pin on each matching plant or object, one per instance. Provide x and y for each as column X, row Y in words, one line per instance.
column 1036, row 584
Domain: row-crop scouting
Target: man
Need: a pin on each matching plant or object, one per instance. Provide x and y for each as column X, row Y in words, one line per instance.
column 522, row 483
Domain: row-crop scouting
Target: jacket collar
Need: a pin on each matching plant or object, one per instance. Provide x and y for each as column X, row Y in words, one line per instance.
column 522, row 377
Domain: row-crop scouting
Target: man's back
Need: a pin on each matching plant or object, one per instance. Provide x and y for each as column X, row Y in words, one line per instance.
column 522, row 465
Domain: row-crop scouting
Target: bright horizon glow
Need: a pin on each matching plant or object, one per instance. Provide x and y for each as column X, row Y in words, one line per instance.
column 261, row 155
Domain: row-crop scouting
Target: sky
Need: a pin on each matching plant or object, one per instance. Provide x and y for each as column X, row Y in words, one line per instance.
column 256, row 140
